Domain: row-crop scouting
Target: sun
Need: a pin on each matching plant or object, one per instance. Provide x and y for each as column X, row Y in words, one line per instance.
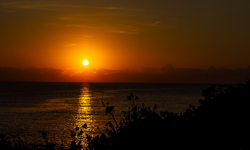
column 85, row 62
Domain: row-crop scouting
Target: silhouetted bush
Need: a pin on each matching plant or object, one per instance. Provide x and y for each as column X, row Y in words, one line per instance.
column 222, row 121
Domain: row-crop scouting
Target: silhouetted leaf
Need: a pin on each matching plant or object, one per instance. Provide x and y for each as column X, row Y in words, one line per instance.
column 129, row 98
column 109, row 109
column 131, row 95
column 155, row 106
column 84, row 126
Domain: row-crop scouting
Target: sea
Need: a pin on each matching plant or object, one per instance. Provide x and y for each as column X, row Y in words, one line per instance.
column 28, row 109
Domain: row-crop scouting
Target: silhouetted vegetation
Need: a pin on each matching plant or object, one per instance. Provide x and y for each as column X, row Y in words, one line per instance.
column 15, row 142
column 221, row 121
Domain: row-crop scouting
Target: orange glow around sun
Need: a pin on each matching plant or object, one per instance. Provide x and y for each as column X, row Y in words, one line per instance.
column 85, row 62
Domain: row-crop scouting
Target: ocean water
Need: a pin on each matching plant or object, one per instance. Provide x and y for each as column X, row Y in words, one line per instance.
column 27, row 108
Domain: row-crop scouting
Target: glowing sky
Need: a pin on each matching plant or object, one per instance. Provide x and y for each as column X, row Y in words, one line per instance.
column 127, row 34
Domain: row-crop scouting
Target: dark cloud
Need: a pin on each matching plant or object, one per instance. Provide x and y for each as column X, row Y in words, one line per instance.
column 211, row 75
column 31, row 74
column 166, row 74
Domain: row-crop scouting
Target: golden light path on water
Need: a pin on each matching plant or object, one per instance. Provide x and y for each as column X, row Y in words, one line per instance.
column 85, row 110
column 84, row 116
column 90, row 112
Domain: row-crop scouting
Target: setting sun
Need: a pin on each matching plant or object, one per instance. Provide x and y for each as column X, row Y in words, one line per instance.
column 85, row 62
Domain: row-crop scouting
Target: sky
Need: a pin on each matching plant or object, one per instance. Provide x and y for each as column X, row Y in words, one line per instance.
column 124, row 41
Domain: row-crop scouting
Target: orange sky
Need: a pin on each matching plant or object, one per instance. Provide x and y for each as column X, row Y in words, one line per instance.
column 125, row 35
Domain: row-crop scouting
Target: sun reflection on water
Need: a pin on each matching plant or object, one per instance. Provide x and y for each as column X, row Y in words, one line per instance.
column 85, row 110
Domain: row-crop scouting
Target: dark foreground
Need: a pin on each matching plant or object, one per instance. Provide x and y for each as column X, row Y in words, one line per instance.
column 221, row 121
